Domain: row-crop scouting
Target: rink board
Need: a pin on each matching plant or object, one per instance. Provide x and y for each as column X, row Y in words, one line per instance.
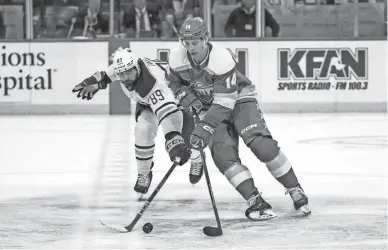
column 306, row 76
column 37, row 77
column 290, row 76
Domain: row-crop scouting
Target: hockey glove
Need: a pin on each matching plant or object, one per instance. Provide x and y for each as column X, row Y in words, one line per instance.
column 188, row 99
column 176, row 147
column 86, row 92
column 90, row 86
column 201, row 135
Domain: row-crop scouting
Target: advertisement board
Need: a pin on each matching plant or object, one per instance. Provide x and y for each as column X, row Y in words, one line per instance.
column 328, row 75
column 306, row 76
column 41, row 73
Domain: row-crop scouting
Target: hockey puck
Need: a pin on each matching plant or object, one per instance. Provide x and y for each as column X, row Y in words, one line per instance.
column 147, row 228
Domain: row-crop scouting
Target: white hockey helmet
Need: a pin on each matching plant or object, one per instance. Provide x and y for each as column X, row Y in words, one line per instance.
column 126, row 66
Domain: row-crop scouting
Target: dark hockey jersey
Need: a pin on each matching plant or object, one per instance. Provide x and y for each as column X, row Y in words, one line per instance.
column 217, row 82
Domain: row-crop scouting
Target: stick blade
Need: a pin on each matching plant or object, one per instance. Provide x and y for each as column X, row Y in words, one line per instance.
column 212, row 231
column 114, row 229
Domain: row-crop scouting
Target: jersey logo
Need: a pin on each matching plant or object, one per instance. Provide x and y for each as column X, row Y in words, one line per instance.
column 203, row 90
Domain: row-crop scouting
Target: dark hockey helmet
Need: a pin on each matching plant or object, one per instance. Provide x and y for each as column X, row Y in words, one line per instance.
column 193, row 28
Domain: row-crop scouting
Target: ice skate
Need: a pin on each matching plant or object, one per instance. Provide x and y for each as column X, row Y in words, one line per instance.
column 259, row 209
column 196, row 170
column 299, row 198
column 143, row 183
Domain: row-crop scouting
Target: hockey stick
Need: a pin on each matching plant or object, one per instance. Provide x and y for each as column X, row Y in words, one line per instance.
column 208, row 230
column 146, row 204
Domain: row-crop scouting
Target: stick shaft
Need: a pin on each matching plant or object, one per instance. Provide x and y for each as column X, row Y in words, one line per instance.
column 149, row 200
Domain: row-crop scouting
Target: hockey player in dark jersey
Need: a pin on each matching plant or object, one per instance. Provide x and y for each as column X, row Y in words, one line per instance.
column 204, row 79
column 143, row 80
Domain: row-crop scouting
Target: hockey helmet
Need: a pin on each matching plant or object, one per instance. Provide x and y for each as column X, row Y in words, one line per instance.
column 126, row 66
column 193, row 28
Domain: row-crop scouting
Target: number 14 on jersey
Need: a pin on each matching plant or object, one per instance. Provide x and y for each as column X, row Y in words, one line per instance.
column 231, row 81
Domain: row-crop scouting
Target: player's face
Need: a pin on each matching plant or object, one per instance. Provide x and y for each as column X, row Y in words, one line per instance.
column 128, row 77
column 195, row 47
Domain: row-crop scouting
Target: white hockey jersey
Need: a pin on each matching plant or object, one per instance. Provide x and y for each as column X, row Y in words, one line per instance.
column 152, row 90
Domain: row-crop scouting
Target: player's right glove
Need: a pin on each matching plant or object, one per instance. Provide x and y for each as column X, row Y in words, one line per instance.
column 90, row 86
column 188, row 99
column 176, row 147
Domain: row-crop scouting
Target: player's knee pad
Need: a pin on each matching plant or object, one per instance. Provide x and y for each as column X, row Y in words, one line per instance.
column 237, row 174
column 224, row 155
column 267, row 150
column 146, row 128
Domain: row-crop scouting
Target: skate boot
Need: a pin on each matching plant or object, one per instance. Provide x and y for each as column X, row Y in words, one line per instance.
column 259, row 209
column 196, row 170
column 299, row 198
column 143, row 182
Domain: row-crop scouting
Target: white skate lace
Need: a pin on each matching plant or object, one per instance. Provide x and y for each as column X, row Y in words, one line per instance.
column 195, row 168
column 143, row 180
column 296, row 193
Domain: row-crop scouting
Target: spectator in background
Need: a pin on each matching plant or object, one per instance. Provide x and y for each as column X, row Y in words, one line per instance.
column 270, row 22
column 142, row 20
column 176, row 11
column 241, row 22
column 94, row 23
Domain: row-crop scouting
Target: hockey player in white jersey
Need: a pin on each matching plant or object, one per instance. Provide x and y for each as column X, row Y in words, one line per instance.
column 143, row 80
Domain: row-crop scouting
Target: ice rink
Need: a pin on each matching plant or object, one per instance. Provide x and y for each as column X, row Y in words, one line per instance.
column 59, row 175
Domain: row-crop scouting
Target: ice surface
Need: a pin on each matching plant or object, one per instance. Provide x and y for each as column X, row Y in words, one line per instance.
column 59, row 175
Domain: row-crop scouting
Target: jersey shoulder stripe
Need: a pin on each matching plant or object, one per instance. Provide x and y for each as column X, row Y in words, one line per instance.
column 178, row 60
column 221, row 61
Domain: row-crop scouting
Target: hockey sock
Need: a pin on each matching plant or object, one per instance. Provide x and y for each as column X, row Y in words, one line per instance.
column 281, row 169
column 241, row 179
column 289, row 180
column 247, row 188
column 144, row 157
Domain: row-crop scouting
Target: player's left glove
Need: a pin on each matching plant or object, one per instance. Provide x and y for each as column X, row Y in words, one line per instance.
column 201, row 135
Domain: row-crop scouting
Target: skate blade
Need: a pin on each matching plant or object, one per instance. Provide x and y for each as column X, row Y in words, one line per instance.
column 305, row 210
column 263, row 217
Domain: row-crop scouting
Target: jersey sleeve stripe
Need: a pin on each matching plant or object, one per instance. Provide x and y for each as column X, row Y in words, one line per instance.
column 163, row 106
column 168, row 114
column 226, row 100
